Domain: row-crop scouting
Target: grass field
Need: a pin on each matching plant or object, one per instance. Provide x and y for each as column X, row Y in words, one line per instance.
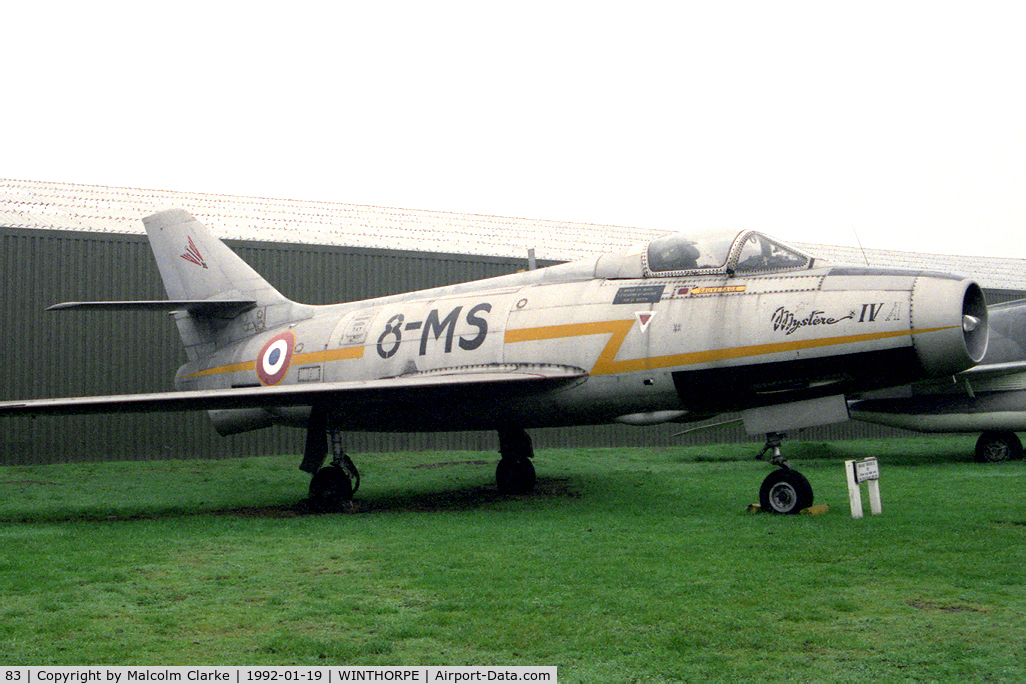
column 624, row 565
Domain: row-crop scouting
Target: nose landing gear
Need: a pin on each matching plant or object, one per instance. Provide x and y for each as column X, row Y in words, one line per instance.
column 784, row 490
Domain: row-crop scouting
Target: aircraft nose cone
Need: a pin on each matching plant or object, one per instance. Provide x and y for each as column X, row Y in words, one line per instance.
column 969, row 323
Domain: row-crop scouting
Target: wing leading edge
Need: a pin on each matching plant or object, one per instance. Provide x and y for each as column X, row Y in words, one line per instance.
column 458, row 384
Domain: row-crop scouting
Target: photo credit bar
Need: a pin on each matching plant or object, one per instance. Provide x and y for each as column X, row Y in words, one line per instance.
column 461, row 674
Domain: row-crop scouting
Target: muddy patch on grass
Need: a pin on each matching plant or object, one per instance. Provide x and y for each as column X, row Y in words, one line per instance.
column 283, row 511
column 945, row 607
column 449, row 464
column 462, row 499
column 466, row 498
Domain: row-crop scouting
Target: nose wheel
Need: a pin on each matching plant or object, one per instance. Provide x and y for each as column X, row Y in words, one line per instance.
column 784, row 491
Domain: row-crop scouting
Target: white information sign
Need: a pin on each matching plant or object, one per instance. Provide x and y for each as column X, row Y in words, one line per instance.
column 867, row 470
column 857, row 472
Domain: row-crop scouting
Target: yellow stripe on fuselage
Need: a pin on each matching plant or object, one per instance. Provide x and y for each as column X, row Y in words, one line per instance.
column 233, row 368
column 297, row 359
column 607, row 364
column 329, row 355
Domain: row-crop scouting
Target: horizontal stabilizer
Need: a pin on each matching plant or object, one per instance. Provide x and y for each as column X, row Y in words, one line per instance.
column 204, row 308
column 456, row 385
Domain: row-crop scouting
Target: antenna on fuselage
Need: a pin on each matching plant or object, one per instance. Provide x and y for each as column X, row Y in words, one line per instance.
column 861, row 248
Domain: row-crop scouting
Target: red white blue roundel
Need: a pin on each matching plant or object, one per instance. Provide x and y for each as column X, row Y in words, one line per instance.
column 273, row 360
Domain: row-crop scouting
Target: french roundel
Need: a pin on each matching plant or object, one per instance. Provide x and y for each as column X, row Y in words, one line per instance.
column 273, row 361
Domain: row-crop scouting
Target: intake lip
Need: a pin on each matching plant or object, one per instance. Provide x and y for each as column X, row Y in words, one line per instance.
column 950, row 328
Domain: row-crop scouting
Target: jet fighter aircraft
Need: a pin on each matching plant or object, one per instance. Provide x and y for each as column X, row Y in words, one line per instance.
column 678, row 329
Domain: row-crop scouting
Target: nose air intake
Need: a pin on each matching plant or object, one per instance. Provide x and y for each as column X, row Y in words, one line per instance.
column 948, row 338
column 977, row 334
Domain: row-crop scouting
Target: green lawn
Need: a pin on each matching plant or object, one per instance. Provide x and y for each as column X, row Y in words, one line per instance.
column 623, row 565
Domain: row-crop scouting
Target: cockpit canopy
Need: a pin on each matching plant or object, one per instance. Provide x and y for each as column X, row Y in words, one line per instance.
column 731, row 253
column 725, row 253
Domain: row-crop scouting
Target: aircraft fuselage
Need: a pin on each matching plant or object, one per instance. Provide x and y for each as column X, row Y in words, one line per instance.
column 680, row 347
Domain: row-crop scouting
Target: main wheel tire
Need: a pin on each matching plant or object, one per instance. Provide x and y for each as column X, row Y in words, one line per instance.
column 998, row 446
column 515, row 476
column 330, row 489
column 785, row 491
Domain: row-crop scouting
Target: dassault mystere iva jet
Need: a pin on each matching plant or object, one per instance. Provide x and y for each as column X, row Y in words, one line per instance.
column 678, row 329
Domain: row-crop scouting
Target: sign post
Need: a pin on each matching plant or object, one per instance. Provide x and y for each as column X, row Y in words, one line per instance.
column 858, row 472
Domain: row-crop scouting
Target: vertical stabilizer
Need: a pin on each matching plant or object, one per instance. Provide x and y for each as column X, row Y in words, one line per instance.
column 194, row 264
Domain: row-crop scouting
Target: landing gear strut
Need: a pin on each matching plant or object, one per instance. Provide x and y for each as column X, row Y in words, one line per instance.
column 332, row 486
column 784, row 490
column 515, row 472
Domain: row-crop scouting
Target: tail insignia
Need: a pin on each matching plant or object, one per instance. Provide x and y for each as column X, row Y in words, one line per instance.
column 193, row 255
column 273, row 361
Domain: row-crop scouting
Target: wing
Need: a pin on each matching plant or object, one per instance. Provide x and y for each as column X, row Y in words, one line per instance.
column 458, row 384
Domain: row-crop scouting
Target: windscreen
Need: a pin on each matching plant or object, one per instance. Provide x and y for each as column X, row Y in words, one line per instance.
column 759, row 253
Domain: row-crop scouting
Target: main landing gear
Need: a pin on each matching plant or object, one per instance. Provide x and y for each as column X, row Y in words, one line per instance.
column 332, row 486
column 998, row 446
column 515, row 472
column 784, row 490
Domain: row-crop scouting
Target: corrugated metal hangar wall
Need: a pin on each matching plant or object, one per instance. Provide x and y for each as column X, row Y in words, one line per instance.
column 47, row 354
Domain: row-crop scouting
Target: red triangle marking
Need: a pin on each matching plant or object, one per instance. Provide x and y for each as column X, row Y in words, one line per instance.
column 644, row 318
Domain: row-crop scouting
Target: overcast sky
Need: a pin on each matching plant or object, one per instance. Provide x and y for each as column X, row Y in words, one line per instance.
column 902, row 121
